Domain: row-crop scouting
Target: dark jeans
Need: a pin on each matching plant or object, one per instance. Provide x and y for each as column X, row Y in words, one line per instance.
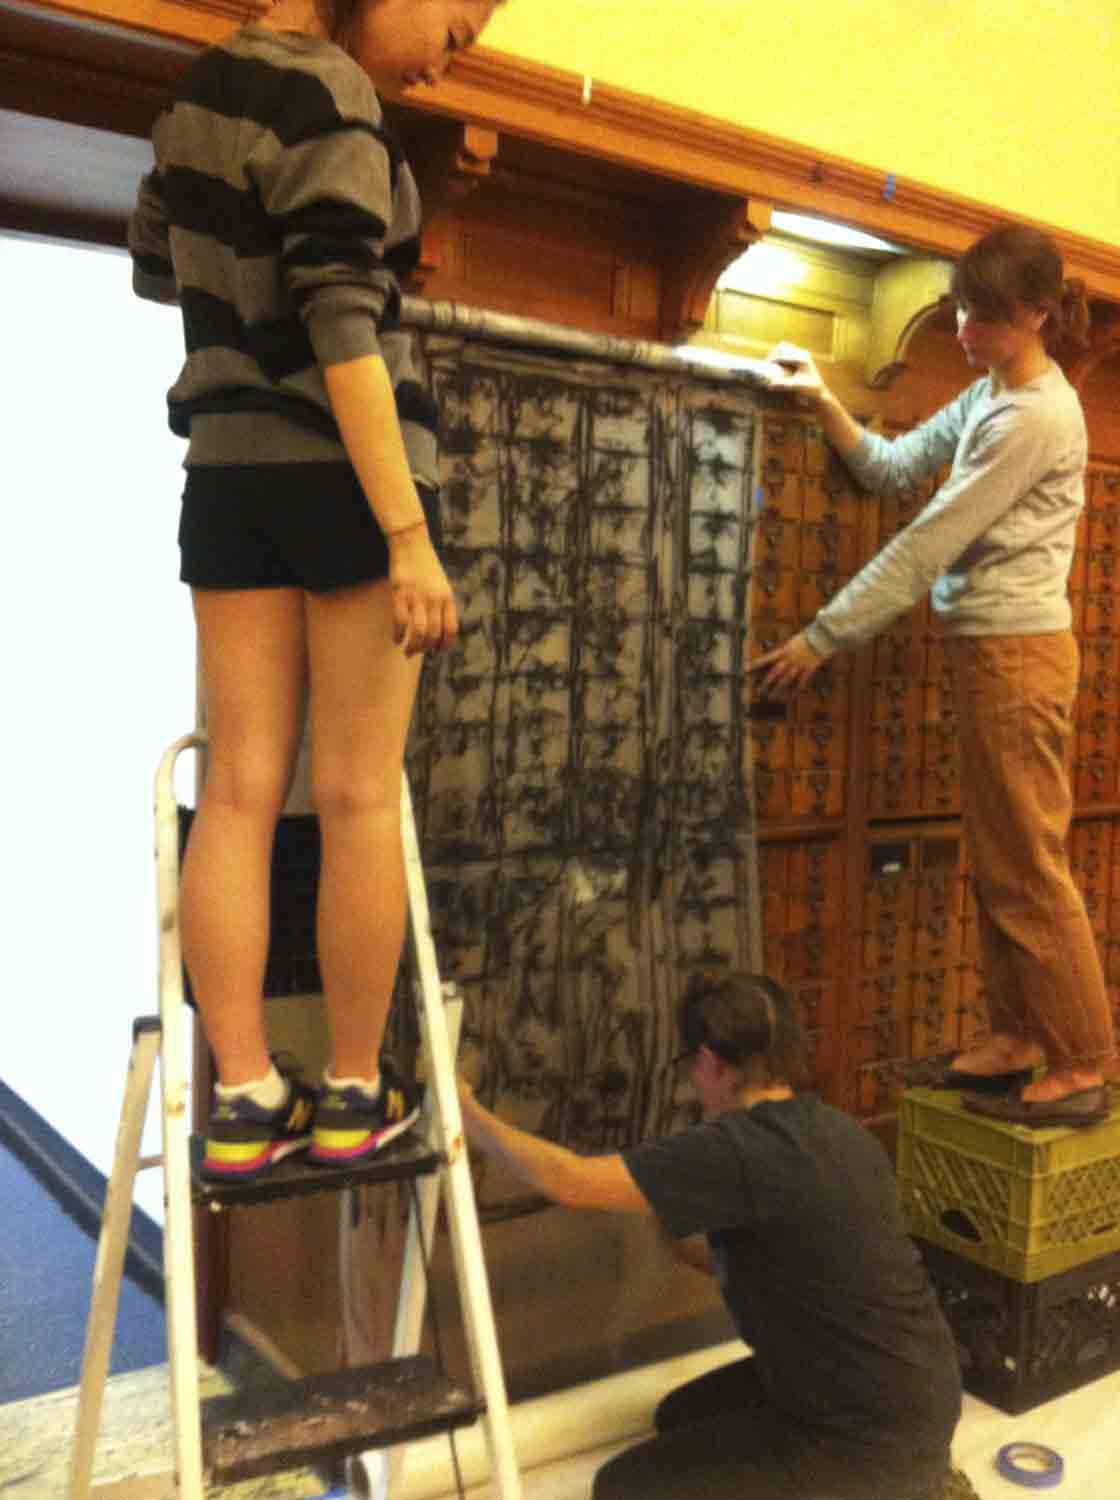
column 719, row 1438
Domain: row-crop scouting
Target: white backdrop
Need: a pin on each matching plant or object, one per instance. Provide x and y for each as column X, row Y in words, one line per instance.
column 98, row 653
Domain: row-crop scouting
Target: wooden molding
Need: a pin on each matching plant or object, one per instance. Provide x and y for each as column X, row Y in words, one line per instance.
column 110, row 63
column 907, row 293
column 184, row 20
column 548, row 105
column 697, row 255
column 449, row 163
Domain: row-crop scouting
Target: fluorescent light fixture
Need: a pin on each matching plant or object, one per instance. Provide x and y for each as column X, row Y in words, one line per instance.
column 825, row 232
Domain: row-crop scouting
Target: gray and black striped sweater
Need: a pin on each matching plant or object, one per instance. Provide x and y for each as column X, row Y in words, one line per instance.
column 281, row 216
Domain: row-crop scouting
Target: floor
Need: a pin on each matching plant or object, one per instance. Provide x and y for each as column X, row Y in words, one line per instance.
column 34, row 1445
column 41, row 1334
column 1081, row 1427
column 46, row 1268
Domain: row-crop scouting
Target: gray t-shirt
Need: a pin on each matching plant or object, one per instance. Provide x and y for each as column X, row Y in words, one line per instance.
column 801, row 1211
column 994, row 545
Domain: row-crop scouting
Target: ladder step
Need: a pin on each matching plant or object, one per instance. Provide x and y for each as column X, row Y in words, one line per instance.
column 297, row 1176
column 324, row 1418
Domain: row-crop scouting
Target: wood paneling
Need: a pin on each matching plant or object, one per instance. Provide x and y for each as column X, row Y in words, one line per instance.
column 110, row 63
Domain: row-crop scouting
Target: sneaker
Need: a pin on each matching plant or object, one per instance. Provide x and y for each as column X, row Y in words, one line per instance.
column 243, row 1139
column 349, row 1125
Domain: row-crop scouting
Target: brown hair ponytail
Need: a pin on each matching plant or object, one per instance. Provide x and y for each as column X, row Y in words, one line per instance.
column 1018, row 265
column 1071, row 317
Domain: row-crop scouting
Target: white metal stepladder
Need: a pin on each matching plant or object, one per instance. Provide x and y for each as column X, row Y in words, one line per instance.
column 351, row 1412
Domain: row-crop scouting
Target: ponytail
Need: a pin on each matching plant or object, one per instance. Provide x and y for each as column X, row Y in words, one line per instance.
column 1068, row 325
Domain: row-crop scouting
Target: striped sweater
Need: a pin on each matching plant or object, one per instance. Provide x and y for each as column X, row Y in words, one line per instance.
column 281, row 216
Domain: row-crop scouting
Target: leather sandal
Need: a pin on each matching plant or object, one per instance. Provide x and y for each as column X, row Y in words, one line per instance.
column 1085, row 1107
column 937, row 1072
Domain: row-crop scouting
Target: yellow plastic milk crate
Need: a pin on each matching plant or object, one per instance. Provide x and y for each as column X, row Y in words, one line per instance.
column 1025, row 1203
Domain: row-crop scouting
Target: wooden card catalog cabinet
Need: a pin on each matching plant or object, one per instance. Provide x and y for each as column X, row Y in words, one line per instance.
column 909, row 994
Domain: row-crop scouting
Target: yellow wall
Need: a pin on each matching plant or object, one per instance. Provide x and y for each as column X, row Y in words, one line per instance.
column 1010, row 103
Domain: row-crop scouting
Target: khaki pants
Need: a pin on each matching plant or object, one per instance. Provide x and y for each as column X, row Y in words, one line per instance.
column 1014, row 700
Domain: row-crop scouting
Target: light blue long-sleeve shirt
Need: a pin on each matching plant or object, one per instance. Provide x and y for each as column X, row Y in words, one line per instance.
column 994, row 545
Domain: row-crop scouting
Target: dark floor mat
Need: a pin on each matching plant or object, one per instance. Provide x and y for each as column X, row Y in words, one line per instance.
column 46, row 1280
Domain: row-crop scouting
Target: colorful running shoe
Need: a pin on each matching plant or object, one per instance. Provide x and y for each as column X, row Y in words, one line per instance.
column 243, row 1139
column 350, row 1126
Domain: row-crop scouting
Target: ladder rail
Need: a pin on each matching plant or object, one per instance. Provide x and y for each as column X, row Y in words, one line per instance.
column 112, row 1246
column 179, row 1262
column 466, row 1237
column 165, row 1040
column 383, row 1468
column 421, row 1224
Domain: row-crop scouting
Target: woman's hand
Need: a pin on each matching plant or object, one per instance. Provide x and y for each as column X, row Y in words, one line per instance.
column 424, row 613
column 788, row 668
column 796, row 372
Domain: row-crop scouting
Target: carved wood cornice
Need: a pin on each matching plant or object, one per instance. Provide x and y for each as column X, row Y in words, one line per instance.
column 696, row 256
column 184, row 20
column 549, row 105
column 908, row 292
column 449, row 165
column 110, row 62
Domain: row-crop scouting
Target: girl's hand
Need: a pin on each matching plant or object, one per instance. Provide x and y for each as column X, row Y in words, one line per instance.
column 424, row 613
column 788, row 668
column 796, row 372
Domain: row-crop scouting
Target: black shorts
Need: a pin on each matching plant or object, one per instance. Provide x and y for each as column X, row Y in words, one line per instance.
column 272, row 526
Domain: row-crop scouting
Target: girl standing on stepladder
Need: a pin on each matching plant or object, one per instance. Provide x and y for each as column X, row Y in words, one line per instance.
column 994, row 546
column 282, row 216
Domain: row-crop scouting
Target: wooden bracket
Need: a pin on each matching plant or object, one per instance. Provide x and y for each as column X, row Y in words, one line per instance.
column 908, row 292
column 448, row 161
column 717, row 233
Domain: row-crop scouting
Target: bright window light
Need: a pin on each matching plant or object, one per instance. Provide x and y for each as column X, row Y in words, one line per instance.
column 769, row 267
column 825, row 232
column 764, row 270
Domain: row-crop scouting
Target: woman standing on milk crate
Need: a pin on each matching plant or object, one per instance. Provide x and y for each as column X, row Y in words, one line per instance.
column 993, row 547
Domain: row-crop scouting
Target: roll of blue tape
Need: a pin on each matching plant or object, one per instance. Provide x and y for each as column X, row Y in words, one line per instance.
column 1031, row 1465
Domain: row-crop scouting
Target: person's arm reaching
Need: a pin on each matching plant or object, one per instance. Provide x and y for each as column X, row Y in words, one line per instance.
column 553, row 1171
column 362, row 400
column 884, row 466
column 1005, row 457
column 798, row 374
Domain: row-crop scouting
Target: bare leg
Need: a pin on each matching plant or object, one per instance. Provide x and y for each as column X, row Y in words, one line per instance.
column 999, row 1053
column 253, row 655
column 362, row 691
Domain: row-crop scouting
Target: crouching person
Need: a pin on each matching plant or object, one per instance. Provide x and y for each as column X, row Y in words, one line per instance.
column 853, row 1389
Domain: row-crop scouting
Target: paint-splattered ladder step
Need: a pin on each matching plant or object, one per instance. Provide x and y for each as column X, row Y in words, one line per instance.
column 325, row 1418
